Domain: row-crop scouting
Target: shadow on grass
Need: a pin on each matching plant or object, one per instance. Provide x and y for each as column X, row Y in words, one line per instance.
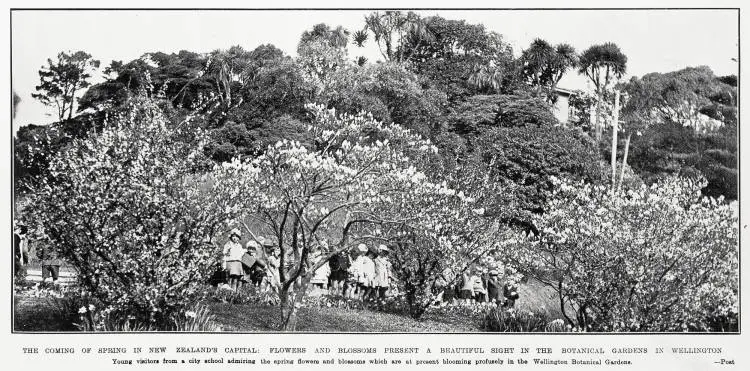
column 249, row 318
column 39, row 314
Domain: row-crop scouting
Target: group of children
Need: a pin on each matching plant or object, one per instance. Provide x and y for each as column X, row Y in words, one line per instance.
column 256, row 263
column 476, row 285
column 364, row 273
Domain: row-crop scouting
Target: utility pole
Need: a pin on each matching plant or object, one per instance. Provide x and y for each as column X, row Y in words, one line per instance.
column 624, row 162
column 615, row 122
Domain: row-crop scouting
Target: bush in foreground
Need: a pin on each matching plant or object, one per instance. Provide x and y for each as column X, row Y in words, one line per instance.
column 659, row 258
column 129, row 209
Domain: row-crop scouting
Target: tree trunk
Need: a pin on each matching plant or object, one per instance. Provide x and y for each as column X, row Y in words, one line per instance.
column 624, row 162
column 290, row 303
column 614, row 139
column 416, row 307
column 597, row 125
column 562, row 303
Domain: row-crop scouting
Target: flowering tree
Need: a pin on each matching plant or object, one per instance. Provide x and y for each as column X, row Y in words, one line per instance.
column 446, row 230
column 334, row 191
column 656, row 258
column 130, row 210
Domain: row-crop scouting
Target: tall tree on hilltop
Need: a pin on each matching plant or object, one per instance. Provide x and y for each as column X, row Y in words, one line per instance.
column 391, row 30
column 62, row 79
column 603, row 64
column 544, row 65
column 460, row 58
column 564, row 58
column 337, row 37
column 535, row 60
column 227, row 71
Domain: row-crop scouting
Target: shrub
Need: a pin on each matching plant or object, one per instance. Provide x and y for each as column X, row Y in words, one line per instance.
column 130, row 210
column 657, row 258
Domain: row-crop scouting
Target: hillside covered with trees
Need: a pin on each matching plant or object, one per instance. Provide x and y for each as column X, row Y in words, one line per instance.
column 447, row 150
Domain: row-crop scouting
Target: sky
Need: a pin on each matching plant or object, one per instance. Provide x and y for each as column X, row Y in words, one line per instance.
column 653, row 40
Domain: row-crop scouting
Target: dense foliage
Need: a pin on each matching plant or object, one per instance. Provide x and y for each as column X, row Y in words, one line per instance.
column 445, row 150
column 652, row 258
column 127, row 209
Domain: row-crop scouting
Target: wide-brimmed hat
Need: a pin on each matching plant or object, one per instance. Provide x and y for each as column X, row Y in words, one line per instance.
column 362, row 247
column 266, row 242
column 235, row 232
column 383, row 248
column 252, row 243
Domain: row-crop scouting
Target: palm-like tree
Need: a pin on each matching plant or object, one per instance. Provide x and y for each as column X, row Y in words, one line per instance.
column 603, row 64
column 535, row 60
column 563, row 59
column 337, row 37
column 391, row 29
column 487, row 76
column 544, row 65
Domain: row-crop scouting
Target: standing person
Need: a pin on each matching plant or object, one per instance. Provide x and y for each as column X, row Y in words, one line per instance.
column 233, row 252
column 366, row 275
column 510, row 292
column 352, row 289
column 494, row 288
column 319, row 279
column 273, row 281
column 339, row 265
column 20, row 251
column 467, row 287
column 255, row 264
column 445, row 287
column 50, row 263
column 382, row 277
column 478, row 287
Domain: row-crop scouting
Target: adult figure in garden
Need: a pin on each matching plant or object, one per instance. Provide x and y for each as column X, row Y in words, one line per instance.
column 233, row 252
column 382, row 278
column 20, row 251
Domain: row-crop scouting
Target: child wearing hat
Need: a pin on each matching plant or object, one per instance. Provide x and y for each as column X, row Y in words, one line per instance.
column 478, row 286
column 270, row 257
column 467, row 287
column 256, row 272
column 233, row 252
column 382, row 277
column 367, row 275
column 352, row 290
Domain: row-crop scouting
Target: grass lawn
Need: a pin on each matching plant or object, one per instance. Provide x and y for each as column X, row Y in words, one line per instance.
column 248, row 318
column 43, row 314
column 39, row 314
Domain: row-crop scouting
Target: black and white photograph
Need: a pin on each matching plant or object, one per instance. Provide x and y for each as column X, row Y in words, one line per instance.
column 429, row 171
